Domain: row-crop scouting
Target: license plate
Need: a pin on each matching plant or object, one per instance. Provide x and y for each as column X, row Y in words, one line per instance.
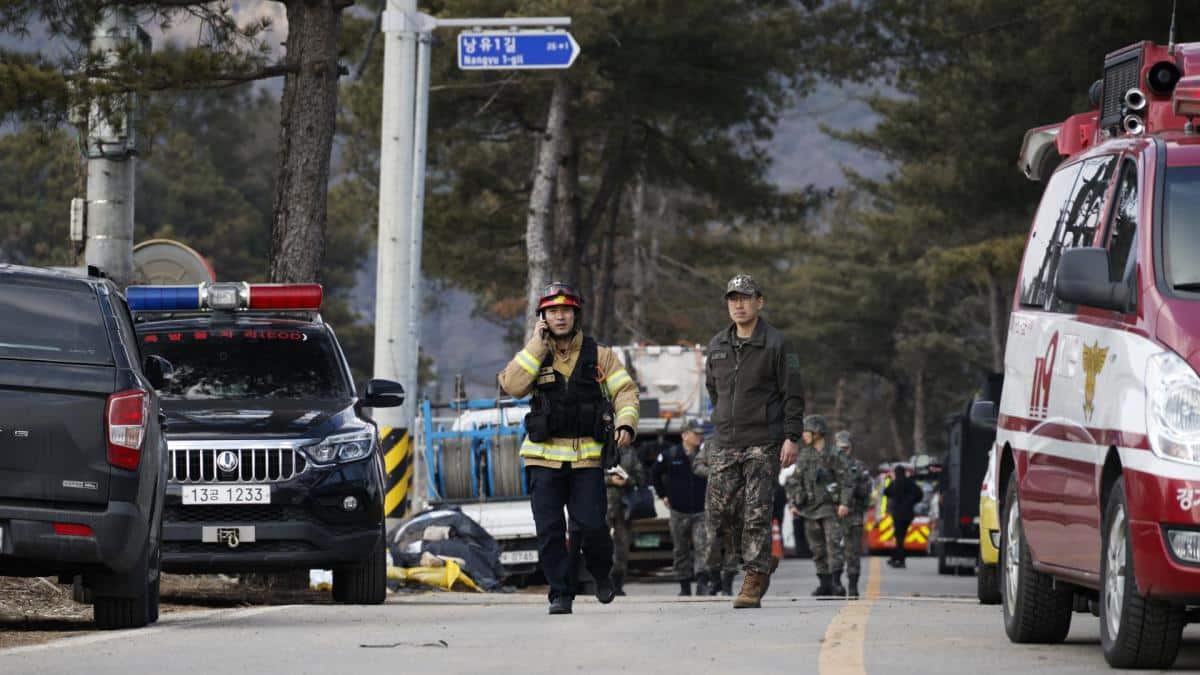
column 518, row 557
column 647, row 541
column 226, row 494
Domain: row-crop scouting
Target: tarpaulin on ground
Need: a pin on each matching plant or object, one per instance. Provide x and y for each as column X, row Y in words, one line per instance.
column 446, row 576
column 448, row 533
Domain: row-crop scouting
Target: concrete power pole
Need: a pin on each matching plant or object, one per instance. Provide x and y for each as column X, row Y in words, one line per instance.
column 395, row 326
column 110, row 153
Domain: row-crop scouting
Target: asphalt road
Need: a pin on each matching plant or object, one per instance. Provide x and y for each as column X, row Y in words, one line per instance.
column 909, row 621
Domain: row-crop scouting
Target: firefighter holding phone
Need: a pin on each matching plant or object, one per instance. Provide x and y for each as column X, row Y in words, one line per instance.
column 583, row 399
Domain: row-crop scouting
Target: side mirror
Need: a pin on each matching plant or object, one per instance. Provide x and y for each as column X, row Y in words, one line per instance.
column 158, row 370
column 383, row 394
column 1083, row 280
column 983, row 414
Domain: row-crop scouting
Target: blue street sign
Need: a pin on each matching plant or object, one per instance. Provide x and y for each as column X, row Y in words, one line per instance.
column 507, row 50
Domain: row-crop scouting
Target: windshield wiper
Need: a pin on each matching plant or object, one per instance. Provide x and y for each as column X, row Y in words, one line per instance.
column 1193, row 286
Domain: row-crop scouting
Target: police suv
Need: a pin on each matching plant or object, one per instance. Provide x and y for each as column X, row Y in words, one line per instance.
column 272, row 463
column 1097, row 458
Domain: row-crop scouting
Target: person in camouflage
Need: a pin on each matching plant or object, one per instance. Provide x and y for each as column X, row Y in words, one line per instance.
column 819, row 491
column 725, row 541
column 860, row 501
column 752, row 373
column 617, row 516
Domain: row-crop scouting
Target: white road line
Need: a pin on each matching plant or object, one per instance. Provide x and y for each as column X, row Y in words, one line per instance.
column 167, row 623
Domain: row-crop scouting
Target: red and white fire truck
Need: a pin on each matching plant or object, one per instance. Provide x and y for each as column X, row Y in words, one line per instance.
column 1097, row 459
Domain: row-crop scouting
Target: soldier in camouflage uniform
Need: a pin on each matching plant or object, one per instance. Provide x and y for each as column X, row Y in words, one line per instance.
column 752, row 373
column 617, row 516
column 726, row 540
column 852, row 524
column 819, row 491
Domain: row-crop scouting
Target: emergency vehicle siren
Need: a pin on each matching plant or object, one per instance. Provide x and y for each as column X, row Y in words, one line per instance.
column 224, row 295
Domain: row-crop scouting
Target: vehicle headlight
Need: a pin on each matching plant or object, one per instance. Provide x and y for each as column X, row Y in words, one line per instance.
column 1173, row 408
column 343, row 447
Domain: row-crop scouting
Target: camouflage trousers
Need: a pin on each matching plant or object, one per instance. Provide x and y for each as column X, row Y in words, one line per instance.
column 688, row 542
column 741, row 486
column 621, row 532
column 825, row 540
column 852, row 534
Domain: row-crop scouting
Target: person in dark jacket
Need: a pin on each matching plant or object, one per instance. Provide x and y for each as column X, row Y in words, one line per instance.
column 754, row 381
column 683, row 492
column 903, row 495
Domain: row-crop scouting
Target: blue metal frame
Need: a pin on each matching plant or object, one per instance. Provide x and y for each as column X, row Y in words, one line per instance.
column 482, row 442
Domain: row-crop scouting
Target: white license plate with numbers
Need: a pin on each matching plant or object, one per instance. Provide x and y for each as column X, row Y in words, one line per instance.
column 518, row 557
column 226, row 494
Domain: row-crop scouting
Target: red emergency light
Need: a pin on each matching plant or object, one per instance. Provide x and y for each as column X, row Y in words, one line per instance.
column 285, row 296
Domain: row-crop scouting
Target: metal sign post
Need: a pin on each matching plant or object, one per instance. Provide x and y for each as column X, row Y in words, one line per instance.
column 408, row 35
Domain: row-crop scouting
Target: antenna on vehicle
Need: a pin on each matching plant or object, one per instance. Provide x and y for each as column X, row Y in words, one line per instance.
column 1171, row 37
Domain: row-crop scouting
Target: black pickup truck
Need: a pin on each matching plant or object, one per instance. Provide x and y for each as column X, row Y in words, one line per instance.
column 82, row 455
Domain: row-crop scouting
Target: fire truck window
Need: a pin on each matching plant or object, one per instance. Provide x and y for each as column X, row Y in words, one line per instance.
column 1080, row 217
column 1181, row 232
column 1054, row 201
column 1124, row 222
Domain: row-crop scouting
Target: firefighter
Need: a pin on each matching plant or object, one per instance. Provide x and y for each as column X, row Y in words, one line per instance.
column 819, row 492
column 852, row 524
column 753, row 379
column 582, row 399
column 903, row 495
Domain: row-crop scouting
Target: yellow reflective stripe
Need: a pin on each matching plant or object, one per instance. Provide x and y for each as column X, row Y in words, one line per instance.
column 629, row 411
column 527, row 362
column 617, row 380
column 565, row 453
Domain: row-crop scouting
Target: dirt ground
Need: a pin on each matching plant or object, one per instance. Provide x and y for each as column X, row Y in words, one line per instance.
column 39, row 609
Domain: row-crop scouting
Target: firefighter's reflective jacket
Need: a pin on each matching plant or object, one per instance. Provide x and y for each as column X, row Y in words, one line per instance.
column 547, row 372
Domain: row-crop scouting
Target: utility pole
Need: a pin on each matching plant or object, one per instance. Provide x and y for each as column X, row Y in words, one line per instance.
column 111, row 146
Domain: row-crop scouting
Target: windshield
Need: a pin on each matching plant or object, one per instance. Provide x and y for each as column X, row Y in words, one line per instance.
column 52, row 323
column 1181, row 228
column 246, row 363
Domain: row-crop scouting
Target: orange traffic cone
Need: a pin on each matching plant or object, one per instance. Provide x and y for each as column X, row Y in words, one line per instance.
column 776, row 540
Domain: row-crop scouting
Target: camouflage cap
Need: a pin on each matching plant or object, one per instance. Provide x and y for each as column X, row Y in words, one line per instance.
column 743, row 284
column 843, row 439
column 816, row 424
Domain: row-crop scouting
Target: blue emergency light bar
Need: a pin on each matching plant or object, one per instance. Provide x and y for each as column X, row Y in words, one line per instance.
column 224, row 295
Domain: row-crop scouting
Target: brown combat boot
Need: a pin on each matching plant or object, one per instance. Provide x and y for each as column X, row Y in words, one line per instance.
column 753, row 588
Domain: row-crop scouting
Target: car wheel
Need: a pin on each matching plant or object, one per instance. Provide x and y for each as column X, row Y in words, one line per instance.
column 942, row 566
column 114, row 613
column 1033, row 611
column 80, row 593
column 987, row 583
column 154, row 586
column 365, row 583
column 1135, row 631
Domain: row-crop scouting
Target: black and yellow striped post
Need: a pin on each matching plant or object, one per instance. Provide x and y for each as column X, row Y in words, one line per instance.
column 396, row 444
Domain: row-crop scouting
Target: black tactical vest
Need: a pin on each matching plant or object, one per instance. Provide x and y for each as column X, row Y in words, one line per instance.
column 569, row 407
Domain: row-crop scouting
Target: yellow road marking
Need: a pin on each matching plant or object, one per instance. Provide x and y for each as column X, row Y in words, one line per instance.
column 843, row 649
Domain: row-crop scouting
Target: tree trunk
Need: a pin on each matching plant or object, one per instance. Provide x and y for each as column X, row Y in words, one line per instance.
column 537, row 226
column 604, row 308
column 919, row 413
column 898, row 451
column 637, row 212
column 308, row 111
column 839, row 400
column 568, row 215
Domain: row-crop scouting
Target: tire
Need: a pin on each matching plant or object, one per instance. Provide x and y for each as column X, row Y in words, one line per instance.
column 80, row 593
column 1033, row 611
column 155, row 585
column 1135, row 631
column 943, row 567
column 365, row 583
column 987, row 584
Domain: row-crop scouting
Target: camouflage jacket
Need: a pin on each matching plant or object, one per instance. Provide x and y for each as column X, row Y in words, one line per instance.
column 822, row 481
column 860, row 483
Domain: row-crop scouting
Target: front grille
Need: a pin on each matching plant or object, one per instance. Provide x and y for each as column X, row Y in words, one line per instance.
column 254, row 465
column 1120, row 75
column 269, row 546
column 236, row 513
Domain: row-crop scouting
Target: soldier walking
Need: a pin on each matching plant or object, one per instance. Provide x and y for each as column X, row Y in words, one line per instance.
column 860, row 501
column 753, row 379
column 819, row 492
column 621, row 483
column 683, row 493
